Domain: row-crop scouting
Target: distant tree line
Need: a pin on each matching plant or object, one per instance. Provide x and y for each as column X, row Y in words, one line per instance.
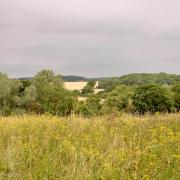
column 134, row 93
column 71, row 78
column 139, row 79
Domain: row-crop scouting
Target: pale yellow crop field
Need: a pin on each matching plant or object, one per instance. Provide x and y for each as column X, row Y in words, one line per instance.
column 75, row 85
column 80, row 85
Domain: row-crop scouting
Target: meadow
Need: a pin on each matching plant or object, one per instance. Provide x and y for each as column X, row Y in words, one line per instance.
column 109, row 147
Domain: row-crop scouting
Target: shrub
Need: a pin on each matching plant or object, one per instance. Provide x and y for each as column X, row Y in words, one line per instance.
column 152, row 98
column 120, row 98
column 89, row 88
column 91, row 107
column 176, row 95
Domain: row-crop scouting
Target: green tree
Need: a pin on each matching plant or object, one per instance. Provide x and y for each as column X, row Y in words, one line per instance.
column 89, row 88
column 91, row 107
column 51, row 94
column 120, row 98
column 176, row 94
column 29, row 100
column 93, row 103
column 25, row 83
column 9, row 99
column 152, row 98
column 82, row 109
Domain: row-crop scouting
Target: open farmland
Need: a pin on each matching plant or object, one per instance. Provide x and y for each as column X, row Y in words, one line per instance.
column 80, row 85
column 75, row 85
column 124, row 147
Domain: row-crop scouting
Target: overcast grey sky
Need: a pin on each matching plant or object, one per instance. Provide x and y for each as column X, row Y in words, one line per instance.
column 89, row 37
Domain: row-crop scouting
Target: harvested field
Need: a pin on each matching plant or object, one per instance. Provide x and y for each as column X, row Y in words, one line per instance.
column 75, row 85
column 80, row 85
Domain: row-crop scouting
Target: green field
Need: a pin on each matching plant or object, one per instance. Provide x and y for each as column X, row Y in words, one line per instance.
column 125, row 147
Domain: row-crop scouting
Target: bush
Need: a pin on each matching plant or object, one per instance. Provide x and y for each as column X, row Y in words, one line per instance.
column 82, row 109
column 176, row 95
column 34, row 107
column 91, row 107
column 6, row 111
column 89, row 88
column 9, row 98
column 120, row 98
column 152, row 98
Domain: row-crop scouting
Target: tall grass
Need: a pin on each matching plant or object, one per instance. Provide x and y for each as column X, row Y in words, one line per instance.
column 45, row 147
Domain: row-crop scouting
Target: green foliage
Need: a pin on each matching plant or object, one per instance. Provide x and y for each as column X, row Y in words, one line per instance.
column 152, row 98
column 82, row 109
column 176, row 91
column 142, row 79
column 25, row 84
column 29, row 100
column 94, row 104
column 89, row 88
column 8, row 94
column 45, row 93
column 51, row 94
column 46, row 78
column 139, row 79
column 91, row 107
column 91, row 83
column 120, row 98
column 109, row 84
column 73, row 78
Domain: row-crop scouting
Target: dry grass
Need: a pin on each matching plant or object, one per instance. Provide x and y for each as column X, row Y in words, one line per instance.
column 46, row 147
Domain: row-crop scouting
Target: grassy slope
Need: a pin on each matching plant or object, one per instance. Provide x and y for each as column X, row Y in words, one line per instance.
column 44, row 147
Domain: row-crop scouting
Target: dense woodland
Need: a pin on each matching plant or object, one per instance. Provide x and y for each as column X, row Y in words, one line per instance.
column 133, row 93
column 139, row 79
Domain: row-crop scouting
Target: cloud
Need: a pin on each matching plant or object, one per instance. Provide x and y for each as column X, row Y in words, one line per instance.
column 91, row 38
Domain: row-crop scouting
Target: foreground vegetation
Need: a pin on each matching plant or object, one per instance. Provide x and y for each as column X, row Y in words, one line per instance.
column 109, row 147
column 46, row 93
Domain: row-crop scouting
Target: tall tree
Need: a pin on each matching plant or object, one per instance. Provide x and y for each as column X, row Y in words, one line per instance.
column 176, row 94
column 51, row 94
column 152, row 98
column 9, row 99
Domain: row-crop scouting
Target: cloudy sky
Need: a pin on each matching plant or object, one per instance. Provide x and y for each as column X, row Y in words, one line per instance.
column 89, row 37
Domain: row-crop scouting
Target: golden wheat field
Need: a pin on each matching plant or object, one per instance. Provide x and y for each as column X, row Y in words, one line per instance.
column 75, row 85
column 123, row 147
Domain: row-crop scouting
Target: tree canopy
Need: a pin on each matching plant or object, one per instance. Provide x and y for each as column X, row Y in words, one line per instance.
column 45, row 93
column 152, row 98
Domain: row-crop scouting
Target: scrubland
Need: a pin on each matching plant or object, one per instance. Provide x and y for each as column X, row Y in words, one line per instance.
column 108, row 147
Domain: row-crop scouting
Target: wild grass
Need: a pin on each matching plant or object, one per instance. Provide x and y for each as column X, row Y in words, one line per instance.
column 126, row 147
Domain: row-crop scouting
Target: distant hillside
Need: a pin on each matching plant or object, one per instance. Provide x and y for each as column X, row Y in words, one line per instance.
column 130, row 79
column 73, row 78
column 25, row 78
column 139, row 79
column 69, row 78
